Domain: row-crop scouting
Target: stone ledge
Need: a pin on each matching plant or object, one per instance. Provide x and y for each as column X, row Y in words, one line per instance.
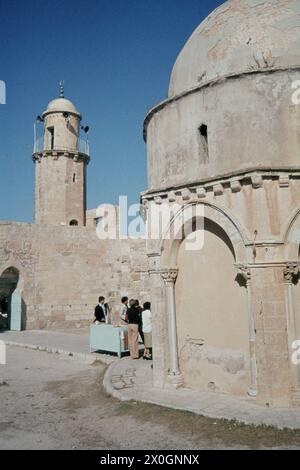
column 219, row 185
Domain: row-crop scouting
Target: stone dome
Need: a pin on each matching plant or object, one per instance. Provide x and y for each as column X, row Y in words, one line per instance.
column 240, row 36
column 61, row 105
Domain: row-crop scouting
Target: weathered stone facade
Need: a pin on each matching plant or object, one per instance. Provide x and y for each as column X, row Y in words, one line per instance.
column 63, row 270
column 227, row 139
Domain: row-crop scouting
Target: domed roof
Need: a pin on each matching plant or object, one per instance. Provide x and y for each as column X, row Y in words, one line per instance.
column 240, row 36
column 61, row 105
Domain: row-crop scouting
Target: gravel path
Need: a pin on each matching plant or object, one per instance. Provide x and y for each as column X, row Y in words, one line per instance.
column 50, row 402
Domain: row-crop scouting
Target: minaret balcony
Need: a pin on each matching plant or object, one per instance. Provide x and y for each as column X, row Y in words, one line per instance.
column 82, row 148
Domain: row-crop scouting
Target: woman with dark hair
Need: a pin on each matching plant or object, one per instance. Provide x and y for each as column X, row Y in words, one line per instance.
column 147, row 330
column 133, row 316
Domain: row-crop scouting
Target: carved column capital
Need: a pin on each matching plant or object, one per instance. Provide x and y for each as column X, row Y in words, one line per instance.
column 290, row 271
column 244, row 271
column 169, row 276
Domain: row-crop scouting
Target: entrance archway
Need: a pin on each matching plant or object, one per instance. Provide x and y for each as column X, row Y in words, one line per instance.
column 10, row 300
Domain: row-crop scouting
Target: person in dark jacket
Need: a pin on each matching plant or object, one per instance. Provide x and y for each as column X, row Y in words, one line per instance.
column 4, row 314
column 141, row 321
column 101, row 311
column 133, row 315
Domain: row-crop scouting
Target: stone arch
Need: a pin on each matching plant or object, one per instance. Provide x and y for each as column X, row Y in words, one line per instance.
column 12, row 303
column 216, row 214
column 13, row 262
column 11, row 277
column 211, row 306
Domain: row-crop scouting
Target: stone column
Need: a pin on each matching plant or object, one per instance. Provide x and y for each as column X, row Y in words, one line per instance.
column 290, row 271
column 268, row 301
column 174, row 376
column 252, row 391
column 159, row 322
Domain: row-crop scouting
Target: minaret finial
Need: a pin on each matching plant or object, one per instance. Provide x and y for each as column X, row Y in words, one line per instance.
column 62, row 89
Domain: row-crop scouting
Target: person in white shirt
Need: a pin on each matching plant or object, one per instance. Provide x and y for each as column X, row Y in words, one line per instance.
column 147, row 330
column 123, row 310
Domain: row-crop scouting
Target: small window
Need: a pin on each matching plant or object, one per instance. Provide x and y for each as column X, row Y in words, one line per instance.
column 203, row 130
column 74, row 222
column 203, row 133
column 74, row 177
column 98, row 221
column 51, row 137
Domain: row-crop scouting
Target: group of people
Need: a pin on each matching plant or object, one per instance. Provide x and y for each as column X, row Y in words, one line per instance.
column 138, row 320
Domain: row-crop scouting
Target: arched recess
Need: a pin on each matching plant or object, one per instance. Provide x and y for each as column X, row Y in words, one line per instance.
column 211, row 307
column 296, row 306
column 12, row 306
column 292, row 254
column 296, row 303
column 291, row 236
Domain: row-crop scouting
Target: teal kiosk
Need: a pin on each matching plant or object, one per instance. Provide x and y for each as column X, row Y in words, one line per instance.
column 109, row 338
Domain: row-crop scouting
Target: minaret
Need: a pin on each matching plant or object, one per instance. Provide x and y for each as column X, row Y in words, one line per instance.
column 60, row 158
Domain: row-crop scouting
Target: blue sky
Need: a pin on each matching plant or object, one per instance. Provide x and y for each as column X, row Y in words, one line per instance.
column 116, row 58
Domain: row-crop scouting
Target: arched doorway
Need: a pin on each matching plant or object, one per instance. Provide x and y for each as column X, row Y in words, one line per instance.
column 293, row 288
column 211, row 316
column 10, row 300
column 74, row 223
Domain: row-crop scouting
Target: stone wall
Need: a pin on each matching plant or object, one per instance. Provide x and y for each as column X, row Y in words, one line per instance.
column 63, row 270
column 248, row 132
column 60, row 188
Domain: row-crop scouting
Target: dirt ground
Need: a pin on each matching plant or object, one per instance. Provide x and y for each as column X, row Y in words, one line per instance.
column 49, row 402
